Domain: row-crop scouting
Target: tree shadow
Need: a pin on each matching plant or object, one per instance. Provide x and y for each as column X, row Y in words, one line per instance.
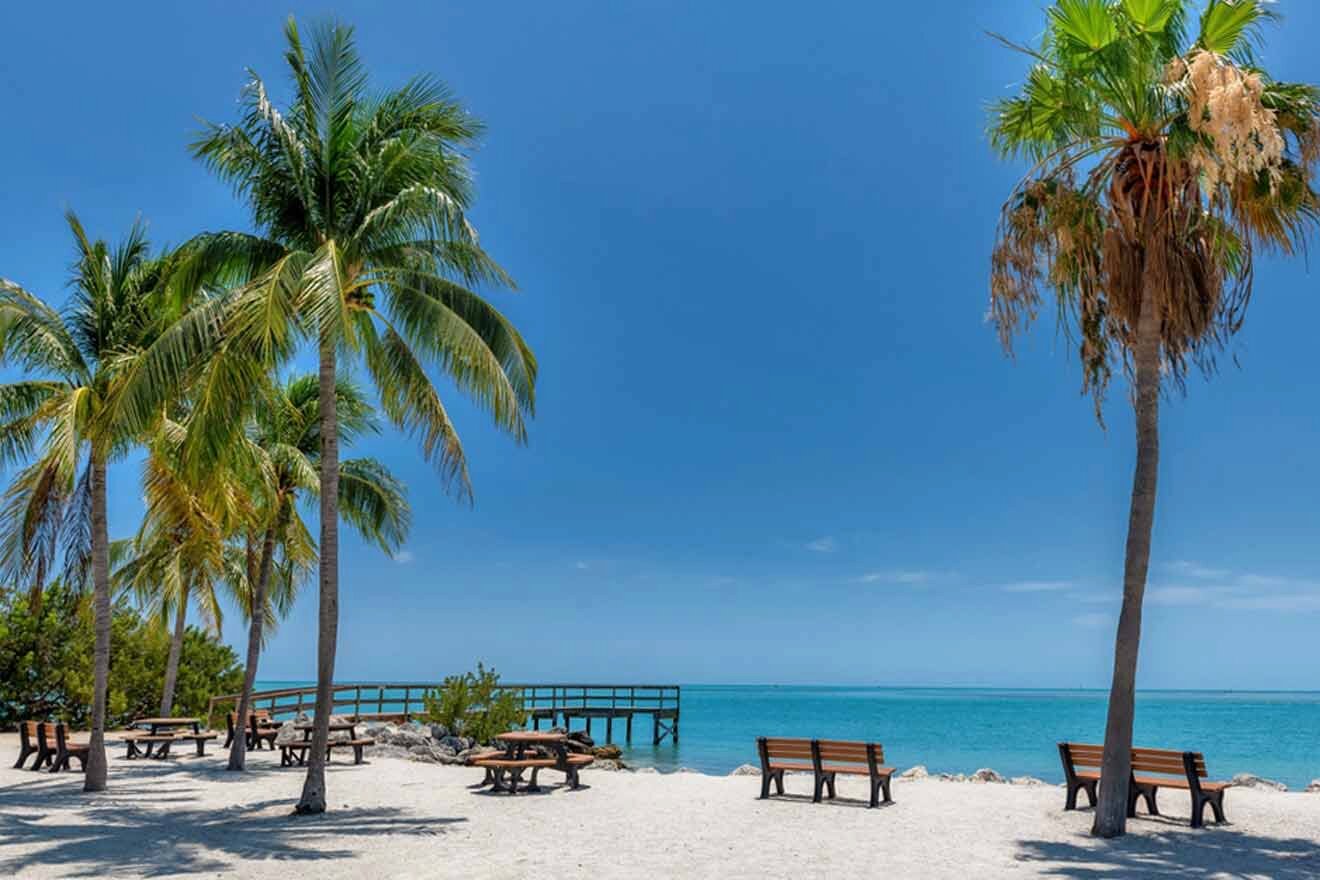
column 1214, row 851
column 110, row 835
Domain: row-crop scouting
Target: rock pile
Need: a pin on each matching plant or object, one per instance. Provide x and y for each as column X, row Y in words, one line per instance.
column 1247, row 780
column 413, row 741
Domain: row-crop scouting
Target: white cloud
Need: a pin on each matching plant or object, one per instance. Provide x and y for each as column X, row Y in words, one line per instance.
column 1190, row 569
column 1039, row 587
column 403, row 557
column 1183, row 595
column 909, row 578
column 581, row 566
column 823, row 545
column 1093, row 619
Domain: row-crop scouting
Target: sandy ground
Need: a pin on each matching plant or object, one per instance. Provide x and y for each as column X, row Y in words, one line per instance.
column 398, row 819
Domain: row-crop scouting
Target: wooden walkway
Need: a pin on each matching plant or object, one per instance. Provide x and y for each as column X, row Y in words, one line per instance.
column 555, row 705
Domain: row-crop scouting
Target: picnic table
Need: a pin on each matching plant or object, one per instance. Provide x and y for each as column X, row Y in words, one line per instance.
column 296, row 753
column 160, row 733
column 504, row 771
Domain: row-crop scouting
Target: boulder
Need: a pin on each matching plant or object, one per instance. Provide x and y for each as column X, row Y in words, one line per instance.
column 953, row 777
column 917, row 772
column 454, row 743
column 1247, row 780
column 288, row 734
column 339, row 735
column 746, row 770
column 609, row 764
column 378, row 729
column 582, row 738
column 438, row 732
column 1314, row 786
column 985, row 774
column 1026, row 780
column 611, row 752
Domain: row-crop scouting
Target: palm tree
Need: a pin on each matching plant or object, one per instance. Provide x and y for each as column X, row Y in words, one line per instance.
column 363, row 246
column 286, row 432
column 63, row 420
column 1161, row 164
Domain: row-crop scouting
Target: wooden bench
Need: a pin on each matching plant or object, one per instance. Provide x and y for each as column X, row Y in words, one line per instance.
column 292, row 754
column 64, row 748
column 262, row 729
column 1171, row 769
column 504, row 774
column 263, row 722
column 148, row 745
column 29, row 741
column 825, row 759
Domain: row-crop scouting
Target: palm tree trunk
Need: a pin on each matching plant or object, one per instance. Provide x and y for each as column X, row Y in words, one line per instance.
column 238, row 748
column 176, row 649
column 313, row 794
column 94, row 778
column 1116, row 766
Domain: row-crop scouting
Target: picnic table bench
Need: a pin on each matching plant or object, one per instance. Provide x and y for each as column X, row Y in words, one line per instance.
column 161, row 733
column 505, row 768
column 260, row 727
column 825, row 759
column 1171, row 769
column 295, row 753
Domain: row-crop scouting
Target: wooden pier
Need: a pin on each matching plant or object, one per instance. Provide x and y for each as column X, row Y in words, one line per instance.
column 555, row 705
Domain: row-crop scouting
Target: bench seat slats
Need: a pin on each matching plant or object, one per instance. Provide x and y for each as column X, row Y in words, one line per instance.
column 824, row 759
column 1152, row 769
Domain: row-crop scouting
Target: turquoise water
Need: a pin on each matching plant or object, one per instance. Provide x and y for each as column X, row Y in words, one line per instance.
column 956, row 730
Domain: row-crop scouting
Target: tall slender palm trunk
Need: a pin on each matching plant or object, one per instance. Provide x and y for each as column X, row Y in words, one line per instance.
column 1116, row 766
column 176, row 650
column 313, row 794
column 238, row 748
column 94, row 778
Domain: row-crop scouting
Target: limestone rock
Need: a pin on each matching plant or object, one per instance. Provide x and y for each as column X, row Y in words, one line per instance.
column 1314, row 786
column 985, row 774
column 1247, row 780
column 1026, row 780
column 747, row 770
column 611, row 752
column 608, row 764
column 917, row 772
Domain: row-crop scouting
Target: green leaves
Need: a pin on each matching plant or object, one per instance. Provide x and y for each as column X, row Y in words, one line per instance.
column 1150, row 16
column 1225, row 23
column 1089, row 24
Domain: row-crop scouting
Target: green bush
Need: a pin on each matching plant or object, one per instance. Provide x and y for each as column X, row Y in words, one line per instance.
column 472, row 705
column 46, row 662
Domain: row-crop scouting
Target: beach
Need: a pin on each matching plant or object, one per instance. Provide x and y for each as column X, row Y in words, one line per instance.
column 398, row 818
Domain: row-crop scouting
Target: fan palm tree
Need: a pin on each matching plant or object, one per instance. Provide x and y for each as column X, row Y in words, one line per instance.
column 285, row 429
column 1163, row 159
column 363, row 246
column 62, row 422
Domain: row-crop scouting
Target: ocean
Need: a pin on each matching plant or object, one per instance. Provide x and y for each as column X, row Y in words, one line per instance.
column 960, row 730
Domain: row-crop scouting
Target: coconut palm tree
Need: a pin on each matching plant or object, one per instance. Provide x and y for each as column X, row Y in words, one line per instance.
column 285, row 430
column 363, row 246
column 1163, row 159
column 62, row 422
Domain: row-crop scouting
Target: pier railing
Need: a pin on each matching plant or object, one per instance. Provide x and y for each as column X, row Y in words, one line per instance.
column 557, row 704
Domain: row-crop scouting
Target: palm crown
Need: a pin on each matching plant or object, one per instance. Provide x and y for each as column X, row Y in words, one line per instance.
column 1161, row 163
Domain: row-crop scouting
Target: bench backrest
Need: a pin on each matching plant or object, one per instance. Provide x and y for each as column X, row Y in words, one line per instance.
column 30, row 730
column 1163, row 761
column 50, row 731
column 779, row 747
column 842, row 752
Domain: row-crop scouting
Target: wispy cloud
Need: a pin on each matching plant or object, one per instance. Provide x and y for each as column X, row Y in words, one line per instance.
column 1187, row 568
column 1039, row 587
column 403, row 557
column 823, row 545
column 582, row 565
column 1093, row 619
column 909, row 577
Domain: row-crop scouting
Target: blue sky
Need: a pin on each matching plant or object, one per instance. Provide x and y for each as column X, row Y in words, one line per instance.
column 776, row 440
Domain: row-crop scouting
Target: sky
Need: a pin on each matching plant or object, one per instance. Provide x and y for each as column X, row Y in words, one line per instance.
column 775, row 438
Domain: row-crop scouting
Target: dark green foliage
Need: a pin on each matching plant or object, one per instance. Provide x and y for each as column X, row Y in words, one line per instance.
column 472, row 705
column 46, row 662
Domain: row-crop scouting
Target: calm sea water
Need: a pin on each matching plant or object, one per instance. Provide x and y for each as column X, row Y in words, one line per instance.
column 957, row 730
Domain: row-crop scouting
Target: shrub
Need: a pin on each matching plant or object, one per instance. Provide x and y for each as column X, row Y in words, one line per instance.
column 473, row 705
column 46, row 662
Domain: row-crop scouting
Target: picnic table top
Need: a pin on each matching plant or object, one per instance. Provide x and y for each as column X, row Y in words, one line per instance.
column 531, row 736
column 162, row 722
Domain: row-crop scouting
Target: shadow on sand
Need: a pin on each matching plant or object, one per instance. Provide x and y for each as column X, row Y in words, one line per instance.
column 152, row 825
column 1215, row 851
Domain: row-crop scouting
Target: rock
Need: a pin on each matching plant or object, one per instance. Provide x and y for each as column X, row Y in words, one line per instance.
column 747, row 770
column 917, row 772
column 379, row 729
column 407, row 738
column 1314, row 786
column 1247, row 780
column 339, row 735
column 438, row 732
column 953, row 777
column 645, row 770
column 1026, row 780
column 581, row 738
column 288, row 734
column 609, row 764
column 985, row 774
column 454, row 743
column 612, row 752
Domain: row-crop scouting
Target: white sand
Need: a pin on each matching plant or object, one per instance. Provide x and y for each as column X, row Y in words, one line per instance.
column 392, row 818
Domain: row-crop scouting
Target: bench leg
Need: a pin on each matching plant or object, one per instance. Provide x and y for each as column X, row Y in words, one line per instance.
column 1151, row 806
column 1199, row 803
column 23, row 756
column 829, row 784
column 201, row 748
column 765, row 783
column 572, row 778
column 357, row 754
column 879, row 784
column 820, row 785
column 532, row 785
